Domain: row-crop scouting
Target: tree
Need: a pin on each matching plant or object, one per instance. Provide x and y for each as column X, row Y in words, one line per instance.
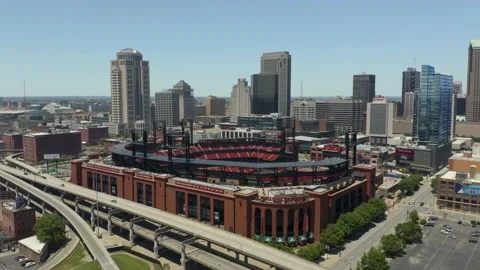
column 374, row 259
column 311, row 253
column 380, row 207
column 434, row 184
column 409, row 232
column 407, row 185
column 391, row 245
column 354, row 221
column 333, row 236
column 50, row 229
column 414, row 217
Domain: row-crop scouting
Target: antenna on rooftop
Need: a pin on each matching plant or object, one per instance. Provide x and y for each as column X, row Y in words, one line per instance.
column 301, row 89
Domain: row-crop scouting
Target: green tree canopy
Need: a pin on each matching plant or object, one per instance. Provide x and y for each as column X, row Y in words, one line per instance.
column 391, row 245
column 354, row 220
column 311, row 253
column 379, row 205
column 414, row 217
column 409, row 232
column 374, row 259
column 50, row 229
column 333, row 236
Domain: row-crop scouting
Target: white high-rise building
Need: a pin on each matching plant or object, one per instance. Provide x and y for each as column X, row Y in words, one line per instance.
column 130, row 89
column 379, row 121
column 240, row 100
column 167, row 108
column 409, row 105
column 303, row 109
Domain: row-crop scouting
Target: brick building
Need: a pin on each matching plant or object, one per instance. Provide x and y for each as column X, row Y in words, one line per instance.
column 18, row 219
column 92, row 135
column 36, row 145
column 286, row 215
column 12, row 141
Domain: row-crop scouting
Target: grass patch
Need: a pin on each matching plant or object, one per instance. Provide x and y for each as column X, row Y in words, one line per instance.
column 127, row 262
column 77, row 261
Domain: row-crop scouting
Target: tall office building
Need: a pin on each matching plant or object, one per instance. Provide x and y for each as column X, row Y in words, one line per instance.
column 214, row 105
column 457, row 87
column 280, row 63
column 410, row 82
column 473, row 82
column 345, row 114
column 409, row 104
column 264, row 94
column 240, row 100
column 304, row 109
column 167, row 108
column 364, row 89
column 432, row 120
column 379, row 121
column 186, row 100
column 130, row 89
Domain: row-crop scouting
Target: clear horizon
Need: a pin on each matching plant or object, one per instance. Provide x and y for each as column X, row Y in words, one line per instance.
column 62, row 48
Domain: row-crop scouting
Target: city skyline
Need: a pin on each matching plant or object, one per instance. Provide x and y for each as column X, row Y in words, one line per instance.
column 74, row 41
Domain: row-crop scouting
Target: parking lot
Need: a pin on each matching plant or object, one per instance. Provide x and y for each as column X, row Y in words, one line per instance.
column 438, row 251
column 7, row 261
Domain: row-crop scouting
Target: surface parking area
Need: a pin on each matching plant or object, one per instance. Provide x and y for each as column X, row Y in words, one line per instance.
column 438, row 251
column 7, row 262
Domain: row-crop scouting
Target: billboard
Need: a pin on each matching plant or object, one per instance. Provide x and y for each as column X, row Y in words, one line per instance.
column 51, row 156
column 404, row 155
column 467, row 189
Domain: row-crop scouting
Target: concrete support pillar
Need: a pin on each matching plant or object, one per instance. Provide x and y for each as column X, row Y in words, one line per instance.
column 16, row 192
column 209, row 244
column 29, row 202
column 131, row 235
column 77, row 209
column 237, row 255
column 183, row 259
column 155, row 247
column 246, row 259
column 109, row 225
column 44, row 211
column 92, row 218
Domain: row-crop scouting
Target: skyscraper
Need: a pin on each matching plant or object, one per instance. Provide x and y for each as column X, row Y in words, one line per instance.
column 410, row 82
column 379, row 121
column 473, row 82
column 364, row 89
column 167, row 108
column 432, row 120
column 240, row 100
column 264, row 94
column 130, row 89
column 214, row 105
column 457, row 87
column 186, row 100
column 409, row 104
column 304, row 109
column 280, row 63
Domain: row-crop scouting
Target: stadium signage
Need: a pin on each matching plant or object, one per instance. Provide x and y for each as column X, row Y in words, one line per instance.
column 200, row 187
column 103, row 168
column 144, row 175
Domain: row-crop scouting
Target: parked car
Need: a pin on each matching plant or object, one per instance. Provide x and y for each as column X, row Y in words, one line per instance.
column 433, row 217
column 23, row 259
column 447, row 226
column 452, row 236
column 444, row 231
column 29, row 264
column 473, row 240
column 24, row 263
column 19, row 258
column 114, row 201
column 422, row 203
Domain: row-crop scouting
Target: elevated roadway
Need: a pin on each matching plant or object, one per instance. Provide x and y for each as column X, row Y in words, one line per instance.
column 93, row 244
column 233, row 242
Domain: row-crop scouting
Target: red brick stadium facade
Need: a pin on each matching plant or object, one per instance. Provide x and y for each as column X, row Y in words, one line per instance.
column 287, row 214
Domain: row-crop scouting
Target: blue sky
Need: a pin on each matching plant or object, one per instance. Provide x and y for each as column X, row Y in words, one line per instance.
column 64, row 47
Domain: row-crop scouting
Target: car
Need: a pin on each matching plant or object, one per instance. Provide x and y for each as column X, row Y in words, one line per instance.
column 475, row 234
column 452, row 236
column 62, row 185
column 422, row 203
column 19, row 257
column 448, row 229
column 24, row 263
column 114, row 201
column 412, row 202
column 23, row 259
column 447, row 226
column 444, row 231
column 433, row 217
column 473, row 240
column 29, row 264
column 474, row 225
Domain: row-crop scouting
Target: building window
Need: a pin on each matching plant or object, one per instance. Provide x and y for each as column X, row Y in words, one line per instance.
column 192, row 206
column 105, row 184
column 90, row 180
column 148, row 195
column 291, row 222
column 180, row 203
column 218, row 206
column 268, row 222
column 205, row 209
column 258, row 221
column 301, row 219
column 98, row 186
column 140, row 193
column 113, row 186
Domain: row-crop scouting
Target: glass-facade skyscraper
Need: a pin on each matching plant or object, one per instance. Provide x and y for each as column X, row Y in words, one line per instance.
column 433, row 109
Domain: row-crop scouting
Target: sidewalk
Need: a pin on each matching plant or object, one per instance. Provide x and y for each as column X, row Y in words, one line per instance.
column 63, row 253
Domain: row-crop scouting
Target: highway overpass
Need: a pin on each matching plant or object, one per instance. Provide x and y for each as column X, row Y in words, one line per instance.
column 95, row 247
column 233, row 242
